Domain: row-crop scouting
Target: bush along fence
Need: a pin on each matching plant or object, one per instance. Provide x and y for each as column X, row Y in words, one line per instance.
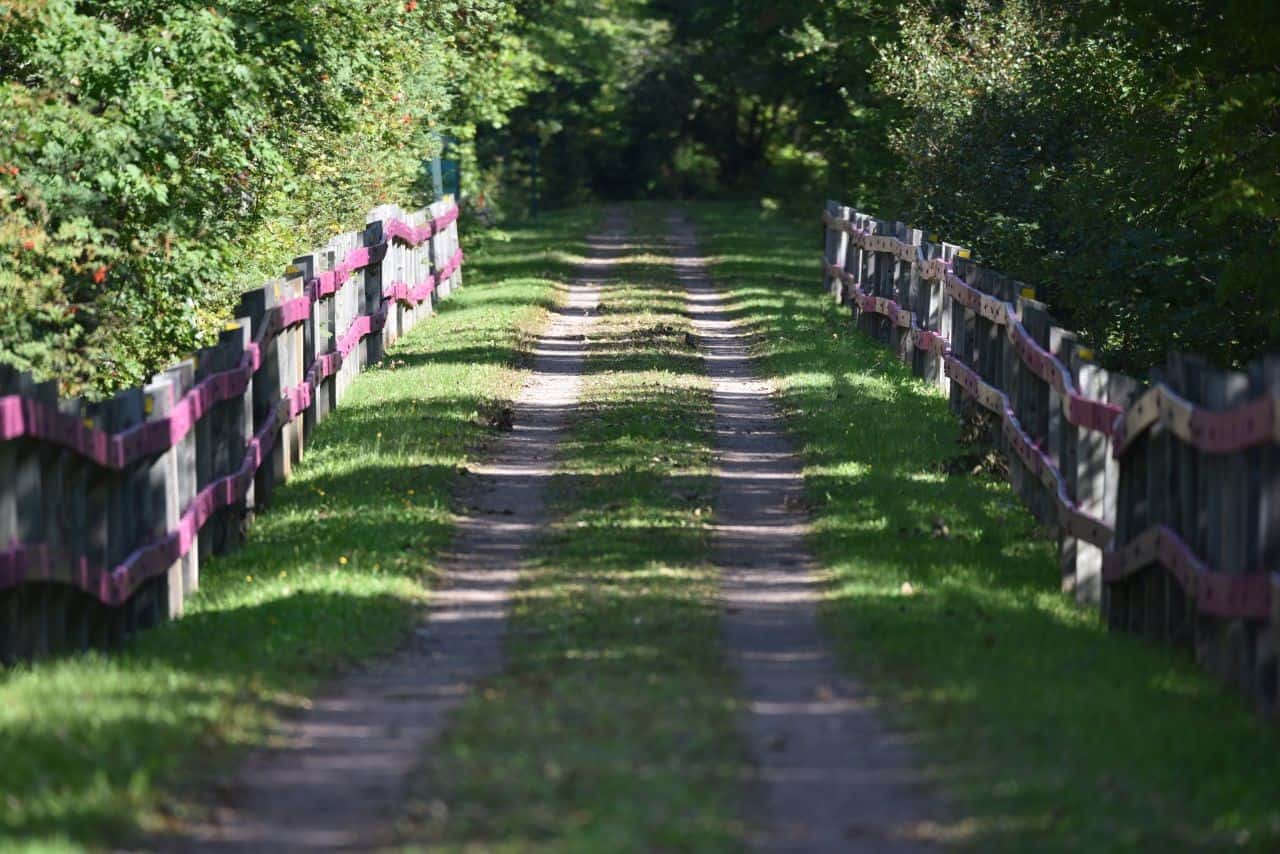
column 1164, row 494
column 107, row 508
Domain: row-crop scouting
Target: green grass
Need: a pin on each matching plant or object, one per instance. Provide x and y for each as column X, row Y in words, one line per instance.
column 94, row 750
column 1049, row 732
column 612, row 728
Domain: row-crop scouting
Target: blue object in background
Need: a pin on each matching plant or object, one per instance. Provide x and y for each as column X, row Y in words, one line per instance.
column 446, row 170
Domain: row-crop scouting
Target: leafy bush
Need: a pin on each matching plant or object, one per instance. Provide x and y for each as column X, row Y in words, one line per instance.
column 1067, row 152
column 161, row 155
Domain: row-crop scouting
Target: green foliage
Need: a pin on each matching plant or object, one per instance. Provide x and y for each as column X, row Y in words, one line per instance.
column 1070, row 150
column 644, row 98
column 160, row 156
column 1119, row 155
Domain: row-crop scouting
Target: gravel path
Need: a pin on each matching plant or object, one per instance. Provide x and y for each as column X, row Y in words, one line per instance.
column 337, row 781
column 831, row 776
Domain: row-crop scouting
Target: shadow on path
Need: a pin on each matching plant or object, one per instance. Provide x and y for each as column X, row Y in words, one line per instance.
column 337, row 778
column 830, row 775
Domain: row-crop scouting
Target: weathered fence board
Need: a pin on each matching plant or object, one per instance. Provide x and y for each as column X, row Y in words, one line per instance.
column 1165, row 502
column 107, row 509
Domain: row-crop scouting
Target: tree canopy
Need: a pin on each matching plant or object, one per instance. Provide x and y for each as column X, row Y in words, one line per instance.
column 1120, row 155
column 160, row 155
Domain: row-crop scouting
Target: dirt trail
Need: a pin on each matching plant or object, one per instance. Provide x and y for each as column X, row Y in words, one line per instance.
column 831, row 776
column 338, row 779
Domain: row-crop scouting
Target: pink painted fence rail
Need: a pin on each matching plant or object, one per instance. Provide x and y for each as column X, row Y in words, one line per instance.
column 106, row 509
column 1164, row 495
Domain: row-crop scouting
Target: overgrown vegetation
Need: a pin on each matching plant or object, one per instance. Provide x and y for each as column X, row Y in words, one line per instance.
column 158, row 157
column 1050, row 732
column 95, row 748
column 1122, row 157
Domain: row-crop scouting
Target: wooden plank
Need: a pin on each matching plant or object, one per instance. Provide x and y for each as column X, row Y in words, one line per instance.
column 372, row 345
column 861, row 266
column 962, row 322
column 9, row 614
column 900, row 292
column 390, row 273
column 882, row 284
column 829, row 242
column 19, row 490
column 181, row 493
column 842, row 259
column 326, row 339
column 97, row 530
column 352, row 299
column 927, row 304
column 266, row 393
column 293, row 341
column 314, row 336
column 1063, row 440
column 1090, row 483
column 124, row 521
column 1179, row 610
column 1118, row 498
column 162, row 499
column 1266, row 553
column 438, row 250
column 420, row 269
column 34, row 460
column 455, row 242
column 1033, row 403
column 232, row 441
column 1154, row 581
column 1222, row 646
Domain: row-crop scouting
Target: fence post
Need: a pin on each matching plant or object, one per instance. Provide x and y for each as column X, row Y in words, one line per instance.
column 454, row 240
column 438, row 250
column 121, row 622
column 372, row 345
column 162, row 498
column 1091, row 483
column 186, row 484
column 858, row 266
column 1032, row 404
column 44, row 601
column 9, row 534
column 926, row 305
column 1267, row 553
column 900, row 292
column 830, row 250
column 19, row 523
column 257, row 305
column 343, row 314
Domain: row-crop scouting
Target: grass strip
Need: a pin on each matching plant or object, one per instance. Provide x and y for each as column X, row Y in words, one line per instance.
column 612, row 729
column 1050, row 732
column 95, row 749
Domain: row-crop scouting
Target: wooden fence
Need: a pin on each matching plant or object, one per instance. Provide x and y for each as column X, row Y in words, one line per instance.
column 1164, row 494
column 108, row 508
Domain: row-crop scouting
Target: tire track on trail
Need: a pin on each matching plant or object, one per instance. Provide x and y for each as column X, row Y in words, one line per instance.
column 830, row 776
column 338, row 778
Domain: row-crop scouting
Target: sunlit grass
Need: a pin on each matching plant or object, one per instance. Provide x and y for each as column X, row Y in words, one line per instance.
column 95, row 749
column 1046, row 730
column 612, row 729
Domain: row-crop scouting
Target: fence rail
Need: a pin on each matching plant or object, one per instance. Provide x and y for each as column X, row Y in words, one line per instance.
column 107, row 508
column 1164, row 494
